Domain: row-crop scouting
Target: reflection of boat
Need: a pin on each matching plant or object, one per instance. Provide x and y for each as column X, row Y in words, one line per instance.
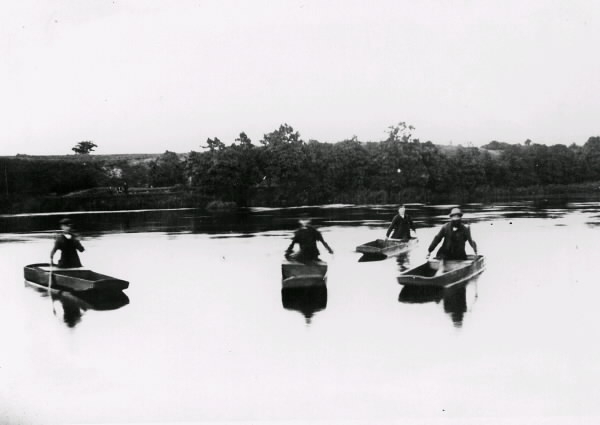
column 307, row 300
column 389, row 247
column 420, row 294
column 76, row 279
column 431, row 273
column 367, row 258
column 297, row 274
column 75, row 304
column 456, row 299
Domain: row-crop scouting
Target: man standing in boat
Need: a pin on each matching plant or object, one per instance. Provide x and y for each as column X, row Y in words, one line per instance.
column 306, row 236
column 401, row 225
column 68, row 244
column 455, row 234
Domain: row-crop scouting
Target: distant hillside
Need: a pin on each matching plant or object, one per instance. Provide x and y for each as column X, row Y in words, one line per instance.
column 89, row 158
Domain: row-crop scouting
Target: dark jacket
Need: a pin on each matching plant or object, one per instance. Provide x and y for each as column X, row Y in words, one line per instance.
column 307, row 238
column 68, row 250
column 453, row 247
column 400, row 227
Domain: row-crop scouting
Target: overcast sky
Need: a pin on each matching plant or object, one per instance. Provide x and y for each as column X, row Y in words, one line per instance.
column 146, row 76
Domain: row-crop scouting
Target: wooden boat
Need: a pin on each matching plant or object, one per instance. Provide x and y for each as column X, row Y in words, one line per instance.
column 430, row 274
column 74, row 279
column 297, row 275
column 388, row 248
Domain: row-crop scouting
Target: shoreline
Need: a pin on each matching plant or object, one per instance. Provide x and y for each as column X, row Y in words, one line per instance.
column 189, row 199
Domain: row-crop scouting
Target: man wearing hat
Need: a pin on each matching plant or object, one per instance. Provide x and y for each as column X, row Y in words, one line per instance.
column 306, row 236
column 68, row 244
column 401, row 225
column 455, row 234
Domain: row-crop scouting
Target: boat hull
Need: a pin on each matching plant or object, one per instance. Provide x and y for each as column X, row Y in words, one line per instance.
column 300, row 275
column 388, row 248
column 429, row 274
column 72, row 279
column 303, row 282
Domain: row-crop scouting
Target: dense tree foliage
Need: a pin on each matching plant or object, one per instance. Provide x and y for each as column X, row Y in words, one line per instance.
column 227, row 173
column 166, row 170
column 22, row 176
column 284, row 169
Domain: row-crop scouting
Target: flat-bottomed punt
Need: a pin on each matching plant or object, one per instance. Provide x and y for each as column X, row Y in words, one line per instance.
column 388, row 248
column 297, row 275
column 75, row 279
column 430, row 274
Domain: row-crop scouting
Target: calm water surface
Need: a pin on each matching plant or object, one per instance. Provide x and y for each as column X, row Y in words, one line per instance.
column 205, row 333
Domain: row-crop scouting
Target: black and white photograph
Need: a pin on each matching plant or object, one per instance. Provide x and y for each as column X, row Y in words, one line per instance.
column 261, row 212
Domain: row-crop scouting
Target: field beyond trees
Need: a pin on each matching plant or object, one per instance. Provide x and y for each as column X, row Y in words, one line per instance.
column 285, row 170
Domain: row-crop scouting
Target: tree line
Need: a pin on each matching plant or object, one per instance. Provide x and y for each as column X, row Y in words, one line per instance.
column 284, row 169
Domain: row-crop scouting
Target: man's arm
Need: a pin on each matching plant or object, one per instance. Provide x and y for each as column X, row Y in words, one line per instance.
column 436, row 240
column 326, row 246
column 411, row 224
column 54, row 249
column 471, row 241
column 291, row 247
column 320, row 239
column 392, row 227
column 78, row 245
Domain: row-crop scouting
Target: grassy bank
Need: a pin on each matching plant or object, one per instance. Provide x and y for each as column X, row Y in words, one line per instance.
column 101, row 199
column 181, row 199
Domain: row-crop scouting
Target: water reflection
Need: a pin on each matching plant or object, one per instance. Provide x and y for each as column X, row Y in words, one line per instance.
column 366, row 258
column 456, row 300
column 455, row 304
column 307, row 300
column 258, row 220
column 72, row 306
column 403, row 261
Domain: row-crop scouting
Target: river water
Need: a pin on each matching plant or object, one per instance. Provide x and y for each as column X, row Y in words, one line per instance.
column 205, row 333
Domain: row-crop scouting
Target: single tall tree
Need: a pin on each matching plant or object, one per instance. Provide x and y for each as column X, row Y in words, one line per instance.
column 84, row 148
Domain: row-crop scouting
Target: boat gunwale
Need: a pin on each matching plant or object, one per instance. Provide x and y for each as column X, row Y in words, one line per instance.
column 110, row 283
column 72, row 273
column 400, row 245
column 445, row 280
column 308, row 281
column 292, row 270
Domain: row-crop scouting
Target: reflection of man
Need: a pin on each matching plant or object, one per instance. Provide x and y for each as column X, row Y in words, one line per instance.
column 306, row 236
column 401, row 225
column 455, row 234
column 455, row 304
column 403, row 261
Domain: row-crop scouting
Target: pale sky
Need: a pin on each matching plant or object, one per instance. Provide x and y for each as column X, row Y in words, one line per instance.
column 147, row 76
